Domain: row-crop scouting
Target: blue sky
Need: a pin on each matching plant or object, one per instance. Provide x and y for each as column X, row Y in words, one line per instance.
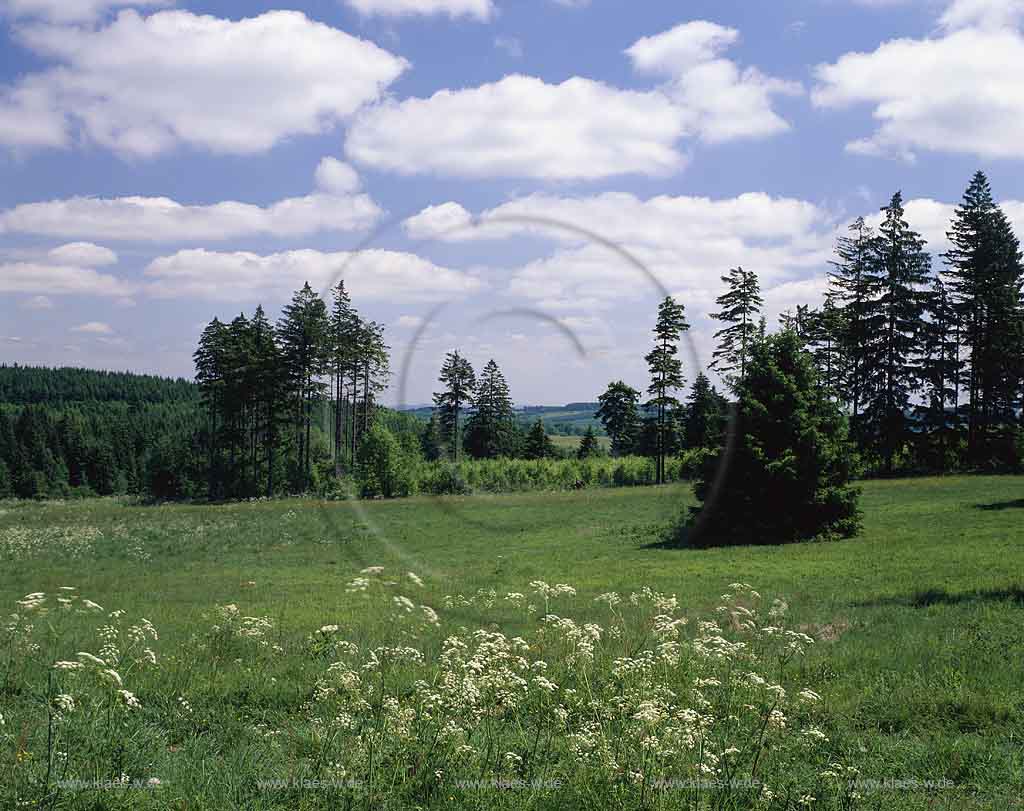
column 162, row 163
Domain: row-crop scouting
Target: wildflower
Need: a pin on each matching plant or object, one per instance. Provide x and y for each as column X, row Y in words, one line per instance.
column 112, row 676
column 64, row 703
column 809, row 696
column 403, row 603
column 326, row 630
column 415, row 578
column 430, row 615
column 153, row 782
column 372, row 570
column 92, row 606
column 68, row 665
column 128, row 699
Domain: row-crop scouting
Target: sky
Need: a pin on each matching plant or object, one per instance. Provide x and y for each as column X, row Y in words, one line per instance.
column 522, row 180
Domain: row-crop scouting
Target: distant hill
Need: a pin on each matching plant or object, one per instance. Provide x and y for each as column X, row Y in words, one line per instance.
column 55, row 387
column 571, row 419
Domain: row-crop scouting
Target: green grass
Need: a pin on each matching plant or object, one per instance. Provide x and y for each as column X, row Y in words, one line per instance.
column 919, row 626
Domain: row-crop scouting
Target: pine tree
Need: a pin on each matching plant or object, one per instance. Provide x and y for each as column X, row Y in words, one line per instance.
column 901, row 269
column 824, row 337
column 740, row 304
column 490, row 429
column 589, row 446
column 431, row 441
column 538, row 444
column 620, row 416
column 666, row 372
column 985, row 277
column 788, row 473
column 345, row 327
column 705, row 415
column 459, row 385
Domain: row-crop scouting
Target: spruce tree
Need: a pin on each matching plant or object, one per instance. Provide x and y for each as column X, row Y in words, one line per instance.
column 705, row 415
column 491, row 429
column 589, row 446
column 940, row 372
column 666, row 372
column 900, row 272
column 788, row 473
column 459, row 384
column 740, row 305
column 302, row 335
column 620, row 416
column 538, row 444
column 985, row 277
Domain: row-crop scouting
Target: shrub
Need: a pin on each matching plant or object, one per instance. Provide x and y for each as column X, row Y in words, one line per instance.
column 381, row 466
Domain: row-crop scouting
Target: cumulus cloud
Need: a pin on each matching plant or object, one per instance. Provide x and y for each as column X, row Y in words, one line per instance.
column 145, row 85
column 721, row 101
column 160, row 219
column 522, row 126
column 436, row 222
column 94, row 328
column 983, row 13
column 931, row 219
column 685, row 242
column 374, row 274
column 477, row 9
column 70, row 11
column 955, row 93
column 333, row 175
column 59, row 280
column 83, row 254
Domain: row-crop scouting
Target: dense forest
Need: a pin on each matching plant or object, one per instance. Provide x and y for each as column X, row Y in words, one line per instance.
column 925, row 366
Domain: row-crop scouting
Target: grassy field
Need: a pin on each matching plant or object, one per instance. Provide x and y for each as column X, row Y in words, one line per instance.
column 918, row 655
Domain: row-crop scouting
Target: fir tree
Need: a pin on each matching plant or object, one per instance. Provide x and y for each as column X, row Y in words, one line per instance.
column 788, row 474
column 490, row 429
column 666, row 372
column 741, row 303
column 538, row 444
column 589, row 446
column 705, row 415
column 459, row 385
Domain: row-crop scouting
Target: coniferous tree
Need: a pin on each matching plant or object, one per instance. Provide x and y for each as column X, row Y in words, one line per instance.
column 741, row 303
column 620, row 416
column 666, row 372
column 705, row 415
column 490, row 429
column 900, row 270
column 853, row 285
column 432, row 442
column 985, row 276
column 941, row 368
column 824, row 338
column 459, row 385
column 302, row 333
column 538, row 444
column 788, row 474
column 589, row 446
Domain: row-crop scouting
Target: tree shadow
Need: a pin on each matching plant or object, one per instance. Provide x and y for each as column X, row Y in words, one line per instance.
column 1017, row 504
column 928, row 597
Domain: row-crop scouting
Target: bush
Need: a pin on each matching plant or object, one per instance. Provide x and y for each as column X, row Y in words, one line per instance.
column 381, row 466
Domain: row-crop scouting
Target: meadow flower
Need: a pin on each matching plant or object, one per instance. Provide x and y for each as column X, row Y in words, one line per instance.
column 328, row 629
column 809, row 695
column 68, row 665
column 372, row 570
column 415, row 578
column 91, row 605
column 64, row 703
column 88, row 658
column 112, row 676
column 403, row 603
column 128, row 699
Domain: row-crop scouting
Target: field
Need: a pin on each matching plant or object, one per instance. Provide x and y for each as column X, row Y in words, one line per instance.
column 571, row 443
column 917, row 655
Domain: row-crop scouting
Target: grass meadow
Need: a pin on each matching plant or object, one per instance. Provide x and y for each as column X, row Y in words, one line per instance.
column 526, row 651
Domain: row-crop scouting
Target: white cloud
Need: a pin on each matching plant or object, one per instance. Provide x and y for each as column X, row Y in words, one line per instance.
column 83, row 254
column 983, row 13
column 94, row 328
column 722, row 101
column 408, row 321
column 145, row 85
column 337, row 177
column 70, row 11
column 521, row 126
column 38, row 303
column 686, row 242
column 932, row 218
column 958, row 94
column 440, row 221
column 477, row 9
column 159, row 219
column 373, row 274
column 581, row 129
column 57, row 280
